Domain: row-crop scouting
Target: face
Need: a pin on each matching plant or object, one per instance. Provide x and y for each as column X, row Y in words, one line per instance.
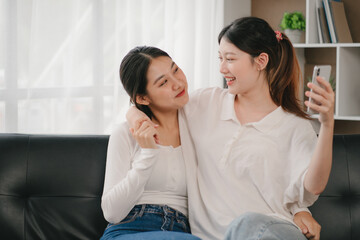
column 167, row 85
column 238, row 68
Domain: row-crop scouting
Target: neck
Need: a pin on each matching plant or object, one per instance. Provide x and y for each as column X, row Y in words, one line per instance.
column 166, row 120
column 254, row 105
column 256, row 99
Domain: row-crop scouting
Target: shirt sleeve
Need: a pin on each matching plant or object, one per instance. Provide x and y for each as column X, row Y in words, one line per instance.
column 302, row 148
column 295, row 208
column 126, row 174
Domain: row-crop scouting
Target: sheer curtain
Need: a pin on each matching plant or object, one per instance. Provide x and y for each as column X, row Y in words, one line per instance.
column 59, row 60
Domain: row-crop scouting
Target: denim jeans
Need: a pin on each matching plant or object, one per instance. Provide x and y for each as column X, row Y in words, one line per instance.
column 256, row 226
column 150, row 222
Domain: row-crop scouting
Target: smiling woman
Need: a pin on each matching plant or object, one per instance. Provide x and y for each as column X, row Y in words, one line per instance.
column 149, row 196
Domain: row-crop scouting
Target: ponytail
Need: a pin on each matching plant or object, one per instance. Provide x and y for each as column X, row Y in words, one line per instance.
column 284, row 79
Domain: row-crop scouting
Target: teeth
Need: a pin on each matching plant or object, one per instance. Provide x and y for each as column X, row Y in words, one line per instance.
column 230, row 79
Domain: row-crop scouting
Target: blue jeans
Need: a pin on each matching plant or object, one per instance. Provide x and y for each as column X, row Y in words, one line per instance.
column 150, row 222
column 256, row 226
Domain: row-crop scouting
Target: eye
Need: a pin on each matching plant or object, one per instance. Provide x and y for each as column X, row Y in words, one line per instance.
column 163, row 83
column 229, row 59
column 176, row 69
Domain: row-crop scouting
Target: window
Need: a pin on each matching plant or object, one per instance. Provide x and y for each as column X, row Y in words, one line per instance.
column 59, row 60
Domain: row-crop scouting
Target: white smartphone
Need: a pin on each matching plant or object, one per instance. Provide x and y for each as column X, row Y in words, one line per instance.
column 322, row 71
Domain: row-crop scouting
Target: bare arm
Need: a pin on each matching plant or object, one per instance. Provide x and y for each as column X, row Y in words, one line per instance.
column 135, row 117
column 320, row 165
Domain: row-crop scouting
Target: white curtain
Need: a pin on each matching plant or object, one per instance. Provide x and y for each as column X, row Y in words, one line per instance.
column 59, row 60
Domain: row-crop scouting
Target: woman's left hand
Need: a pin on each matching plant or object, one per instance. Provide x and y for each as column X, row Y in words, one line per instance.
column 324, row 100
column 308, row 225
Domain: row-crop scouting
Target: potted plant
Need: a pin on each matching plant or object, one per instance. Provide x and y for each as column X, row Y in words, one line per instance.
column 293, row 25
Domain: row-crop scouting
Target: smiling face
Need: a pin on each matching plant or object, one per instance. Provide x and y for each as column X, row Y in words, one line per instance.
column 166, row 86
column 240, row 70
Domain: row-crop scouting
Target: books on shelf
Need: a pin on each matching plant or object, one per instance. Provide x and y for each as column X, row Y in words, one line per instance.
column 323, row 29
column 332, row 23
column 340, row 22
column 329, row 21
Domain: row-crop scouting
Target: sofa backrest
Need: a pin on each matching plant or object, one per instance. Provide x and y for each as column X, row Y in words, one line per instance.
column 51, row 186
column 338, row 207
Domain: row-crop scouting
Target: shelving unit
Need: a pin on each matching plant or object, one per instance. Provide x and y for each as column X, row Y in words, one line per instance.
column 344, row 57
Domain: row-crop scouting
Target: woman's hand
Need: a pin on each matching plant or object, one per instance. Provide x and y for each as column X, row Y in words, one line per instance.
column 308, row 225
column 145, row 134
column 324, row 101
column 142, row 128
column 135, row 117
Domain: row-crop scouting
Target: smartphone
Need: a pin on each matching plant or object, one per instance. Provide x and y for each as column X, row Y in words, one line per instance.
column 322, row 71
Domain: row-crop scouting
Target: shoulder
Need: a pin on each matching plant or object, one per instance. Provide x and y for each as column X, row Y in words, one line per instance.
column 201, row 98
column 120, row 129
column 300, row 128
column 207, row 93
column 121, row 135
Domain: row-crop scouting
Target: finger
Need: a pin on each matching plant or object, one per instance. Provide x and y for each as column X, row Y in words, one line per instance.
column 141, row 130
column 149, row 133
column 148, row 136
column 314, row 96
column 140, row 121
column 309, row 236
column 314, row 106
column 303, row 227
column 326, row 85
column 145, row 124
column 328, row 103
column 157, row 140
column 317, row 89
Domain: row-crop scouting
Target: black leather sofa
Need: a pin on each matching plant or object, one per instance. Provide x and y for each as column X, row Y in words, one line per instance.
column 51, row 186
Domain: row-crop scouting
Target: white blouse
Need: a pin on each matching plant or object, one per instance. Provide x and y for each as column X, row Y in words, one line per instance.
column 141, row 176
column 258, row 167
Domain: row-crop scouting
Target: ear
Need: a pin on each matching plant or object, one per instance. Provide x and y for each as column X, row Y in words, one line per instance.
column 142, row 100
column 262, row 61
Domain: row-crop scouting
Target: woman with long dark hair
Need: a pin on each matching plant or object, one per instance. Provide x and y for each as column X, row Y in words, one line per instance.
column 145, row 189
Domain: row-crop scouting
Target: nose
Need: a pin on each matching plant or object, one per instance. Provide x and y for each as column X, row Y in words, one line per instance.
column 176, row 83
column 223, row 67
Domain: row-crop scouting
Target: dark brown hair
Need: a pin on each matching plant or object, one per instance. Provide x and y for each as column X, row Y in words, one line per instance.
column 255, row 36
column 133, row 70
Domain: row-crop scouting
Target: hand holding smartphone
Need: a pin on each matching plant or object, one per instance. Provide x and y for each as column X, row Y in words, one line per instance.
column 322, row 71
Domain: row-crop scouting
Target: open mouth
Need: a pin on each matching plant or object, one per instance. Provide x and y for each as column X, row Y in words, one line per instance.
column 181, row 93
column 229, row 80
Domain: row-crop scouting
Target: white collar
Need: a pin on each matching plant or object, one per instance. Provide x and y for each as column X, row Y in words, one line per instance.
column 264, row 125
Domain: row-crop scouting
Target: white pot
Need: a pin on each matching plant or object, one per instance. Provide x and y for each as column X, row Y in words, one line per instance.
column 294, row 35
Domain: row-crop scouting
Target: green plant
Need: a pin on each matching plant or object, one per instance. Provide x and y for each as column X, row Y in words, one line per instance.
column 294, row 20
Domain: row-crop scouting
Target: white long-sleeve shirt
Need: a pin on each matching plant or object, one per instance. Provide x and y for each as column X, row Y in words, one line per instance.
column 258, row 167
column 141, row 176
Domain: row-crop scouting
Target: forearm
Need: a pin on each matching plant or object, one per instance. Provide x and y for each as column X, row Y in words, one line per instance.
column 320, row 166
column 135, row 116
column 121, row 197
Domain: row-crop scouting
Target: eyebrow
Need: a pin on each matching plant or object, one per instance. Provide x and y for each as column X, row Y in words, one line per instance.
column 160, row 77
column 228, row 53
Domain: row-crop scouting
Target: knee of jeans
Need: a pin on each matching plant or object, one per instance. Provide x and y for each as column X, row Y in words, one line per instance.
column 248, row 218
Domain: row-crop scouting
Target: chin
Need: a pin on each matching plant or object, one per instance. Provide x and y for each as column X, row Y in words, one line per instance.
column 233, row 91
